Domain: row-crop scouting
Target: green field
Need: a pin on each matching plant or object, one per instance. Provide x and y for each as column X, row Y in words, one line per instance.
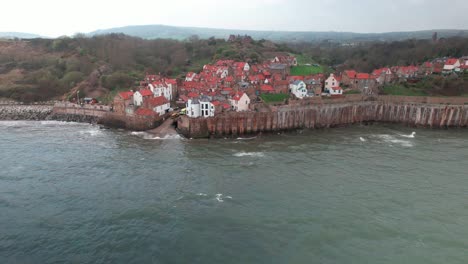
column 306, row 70
column 274, row 98
column 402, row 90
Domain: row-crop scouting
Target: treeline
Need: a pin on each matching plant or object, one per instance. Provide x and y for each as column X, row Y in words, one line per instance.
column 366, row 57
column 40, row 69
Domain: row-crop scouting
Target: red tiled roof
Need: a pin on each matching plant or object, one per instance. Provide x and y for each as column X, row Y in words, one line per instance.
column 157, row 101
column 192, row 95
column 145, row 112
column 351, row 74
column 126, row 95
column 226, row 106
column 238, row 96
column 451, row 61
column 267, row 88
column 362, row 76
column 337, row 88
column 215, row 103
column 146, row 92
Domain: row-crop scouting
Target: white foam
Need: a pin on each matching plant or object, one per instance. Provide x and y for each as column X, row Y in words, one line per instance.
column 146, row 135
column 413, row 135
column 92, row 132
column 392, row 139
column 202, row 194
column 362, row 139
column 219, row 197
column 249, row 154
column 251, row 138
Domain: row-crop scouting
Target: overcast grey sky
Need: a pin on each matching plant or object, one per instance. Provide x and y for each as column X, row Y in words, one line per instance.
column 60, row 17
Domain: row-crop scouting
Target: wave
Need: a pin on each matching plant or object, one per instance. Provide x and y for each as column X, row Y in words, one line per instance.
column 249, row 154
column 92, row 132
column 146, row 135
column 393, row 140
column 362, row 139
column 413, row 135
column 251, row 138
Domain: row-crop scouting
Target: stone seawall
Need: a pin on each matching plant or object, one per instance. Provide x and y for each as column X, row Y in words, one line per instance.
column 325, row 115
column 25, row 112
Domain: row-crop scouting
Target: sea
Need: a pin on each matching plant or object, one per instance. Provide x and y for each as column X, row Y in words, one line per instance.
column 76, row 193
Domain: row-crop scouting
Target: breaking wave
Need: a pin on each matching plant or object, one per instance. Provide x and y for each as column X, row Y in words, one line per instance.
column 393, row 140
column 146, row 135
column 249, row 154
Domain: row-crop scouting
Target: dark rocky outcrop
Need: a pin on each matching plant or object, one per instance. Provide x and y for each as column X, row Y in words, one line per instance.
column 25, row 112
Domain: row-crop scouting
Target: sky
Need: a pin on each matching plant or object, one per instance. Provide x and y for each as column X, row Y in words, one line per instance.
column 53, row 18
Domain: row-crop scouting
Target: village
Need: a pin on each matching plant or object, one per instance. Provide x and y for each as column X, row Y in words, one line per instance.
column 234, row 86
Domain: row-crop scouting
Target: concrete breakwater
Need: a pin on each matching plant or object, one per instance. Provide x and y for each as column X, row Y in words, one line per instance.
column 326, row 115
column 25, row 112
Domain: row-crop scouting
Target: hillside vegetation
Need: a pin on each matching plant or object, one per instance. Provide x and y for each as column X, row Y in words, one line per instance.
column 41, row 69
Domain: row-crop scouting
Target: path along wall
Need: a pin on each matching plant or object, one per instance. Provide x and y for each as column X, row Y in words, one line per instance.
column 323, row 115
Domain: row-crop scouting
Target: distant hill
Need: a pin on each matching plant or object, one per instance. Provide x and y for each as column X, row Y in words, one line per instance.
column 11, row 35
column 180, row 33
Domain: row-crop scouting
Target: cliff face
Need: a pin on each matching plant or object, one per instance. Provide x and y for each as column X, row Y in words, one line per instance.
column 326, row 115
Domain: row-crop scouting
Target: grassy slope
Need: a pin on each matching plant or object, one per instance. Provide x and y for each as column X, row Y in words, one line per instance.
column 274, row 98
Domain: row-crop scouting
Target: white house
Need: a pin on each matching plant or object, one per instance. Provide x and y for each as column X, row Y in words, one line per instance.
column 331, row 82
column 240, row 102
column 335, row 91
column 140, row 96
column 200, row 107
column 298, row 88
column 159, row 105
column 193, row 108
column 452, row 65
column 190, row 76
column 207, row 109
column 161, row 89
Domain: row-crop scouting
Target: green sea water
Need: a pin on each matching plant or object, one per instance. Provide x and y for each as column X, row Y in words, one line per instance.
column 73, row 193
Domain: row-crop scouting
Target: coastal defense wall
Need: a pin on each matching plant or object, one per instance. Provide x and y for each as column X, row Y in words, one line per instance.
column 326, row 115
column 24, row 112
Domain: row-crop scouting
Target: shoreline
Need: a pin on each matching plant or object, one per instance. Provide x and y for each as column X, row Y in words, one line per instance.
column 418, row 112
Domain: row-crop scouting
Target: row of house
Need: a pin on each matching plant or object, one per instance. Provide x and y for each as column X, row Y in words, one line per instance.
column 152, row 98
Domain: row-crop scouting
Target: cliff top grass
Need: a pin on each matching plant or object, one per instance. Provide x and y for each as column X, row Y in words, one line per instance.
column 304, row 70
column 274, row 98
column 402, row 90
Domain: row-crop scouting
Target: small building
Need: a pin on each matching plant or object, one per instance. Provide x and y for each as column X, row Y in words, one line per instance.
column 122, row 101
column 140, row 96
column 159, row 104
column 240, row 102
column 335, row 91
column 298, row 88
column 332, row 82
column 452, row 65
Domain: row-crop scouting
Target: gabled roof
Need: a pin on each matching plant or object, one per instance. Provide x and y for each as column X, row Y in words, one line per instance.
column 157, row 101
column 363, row 76
column 146, row 92
column 266, row 88
column 126, row 95
column 238, row 96
column 351, row 74
column 451, row 61
column 145, row 112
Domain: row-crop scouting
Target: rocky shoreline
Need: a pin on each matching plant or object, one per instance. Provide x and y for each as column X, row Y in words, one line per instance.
column 25, row 112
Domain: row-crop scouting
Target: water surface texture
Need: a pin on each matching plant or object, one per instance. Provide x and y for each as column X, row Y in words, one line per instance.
column 73, row 193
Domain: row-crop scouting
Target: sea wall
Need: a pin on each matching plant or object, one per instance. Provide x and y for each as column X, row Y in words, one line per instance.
column 24, row 112
column 323, row 115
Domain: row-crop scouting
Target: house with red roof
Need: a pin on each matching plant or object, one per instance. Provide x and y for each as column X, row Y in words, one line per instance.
column 190, row 76
column 383, row 75
column 122, row 101
column 332, row 82
column 159, row 104
column 240, row 102
column 141, row 95
column 335, row 91
column 145, row 112
column 366, row 83
column 348, row 77
column 452, row 65
column 265, row 88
